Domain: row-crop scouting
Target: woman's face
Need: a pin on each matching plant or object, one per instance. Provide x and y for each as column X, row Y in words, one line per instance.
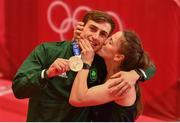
column 111, row 46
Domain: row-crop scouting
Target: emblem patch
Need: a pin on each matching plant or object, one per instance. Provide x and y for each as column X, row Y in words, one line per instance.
column 93, row 74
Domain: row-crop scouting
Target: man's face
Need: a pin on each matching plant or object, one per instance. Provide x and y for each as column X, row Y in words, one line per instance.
column 96, row 33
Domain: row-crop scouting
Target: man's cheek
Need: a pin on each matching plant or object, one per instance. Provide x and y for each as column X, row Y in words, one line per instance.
column 83, row 33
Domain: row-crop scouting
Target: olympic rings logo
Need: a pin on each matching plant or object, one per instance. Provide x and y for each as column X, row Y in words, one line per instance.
column 71, row 19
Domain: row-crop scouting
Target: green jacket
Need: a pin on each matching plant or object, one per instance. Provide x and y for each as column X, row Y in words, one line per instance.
column 48, row 98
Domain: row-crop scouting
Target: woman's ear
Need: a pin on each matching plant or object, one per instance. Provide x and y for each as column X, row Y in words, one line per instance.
column 119, row 57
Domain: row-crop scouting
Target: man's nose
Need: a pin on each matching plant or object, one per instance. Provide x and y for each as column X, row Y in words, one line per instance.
column 95, row 36
column 105, row 42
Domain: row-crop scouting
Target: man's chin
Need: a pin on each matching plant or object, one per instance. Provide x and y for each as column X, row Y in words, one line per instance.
column 99, row 53
column 96, row 49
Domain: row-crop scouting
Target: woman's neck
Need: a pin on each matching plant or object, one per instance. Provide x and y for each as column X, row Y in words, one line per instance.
column 112, row 68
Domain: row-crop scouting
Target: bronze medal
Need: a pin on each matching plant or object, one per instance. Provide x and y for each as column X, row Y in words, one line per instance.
column 75, row 63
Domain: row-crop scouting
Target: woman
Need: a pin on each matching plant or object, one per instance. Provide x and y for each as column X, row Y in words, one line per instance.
column 121, row 51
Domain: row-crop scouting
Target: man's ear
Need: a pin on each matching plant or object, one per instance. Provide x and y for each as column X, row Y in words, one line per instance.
column 118, row 57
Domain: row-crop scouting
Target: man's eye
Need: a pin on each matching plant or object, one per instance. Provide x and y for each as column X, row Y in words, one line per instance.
column 93, row 29
column 104, row 35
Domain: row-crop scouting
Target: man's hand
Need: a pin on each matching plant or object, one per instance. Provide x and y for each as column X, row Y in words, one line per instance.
column 57, row 67
column 123, row 81
column 78, row 29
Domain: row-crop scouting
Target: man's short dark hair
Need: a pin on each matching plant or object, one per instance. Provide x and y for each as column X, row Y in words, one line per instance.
column 99, row 16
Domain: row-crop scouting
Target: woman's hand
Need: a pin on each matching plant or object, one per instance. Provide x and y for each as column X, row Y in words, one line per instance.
column 77, row 30
column 87, row 52
column 122, row 82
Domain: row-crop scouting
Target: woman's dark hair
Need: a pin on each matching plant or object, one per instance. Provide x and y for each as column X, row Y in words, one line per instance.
column 135, row 56
column 99, row 16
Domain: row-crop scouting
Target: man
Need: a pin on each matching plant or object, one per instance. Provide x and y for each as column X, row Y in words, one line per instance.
column 39, row 76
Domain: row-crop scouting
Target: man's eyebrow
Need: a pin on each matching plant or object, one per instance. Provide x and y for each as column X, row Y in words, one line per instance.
column 94, row 26
column 103, row 31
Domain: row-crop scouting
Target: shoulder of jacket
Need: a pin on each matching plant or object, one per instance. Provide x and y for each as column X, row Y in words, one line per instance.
column 56, row 43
